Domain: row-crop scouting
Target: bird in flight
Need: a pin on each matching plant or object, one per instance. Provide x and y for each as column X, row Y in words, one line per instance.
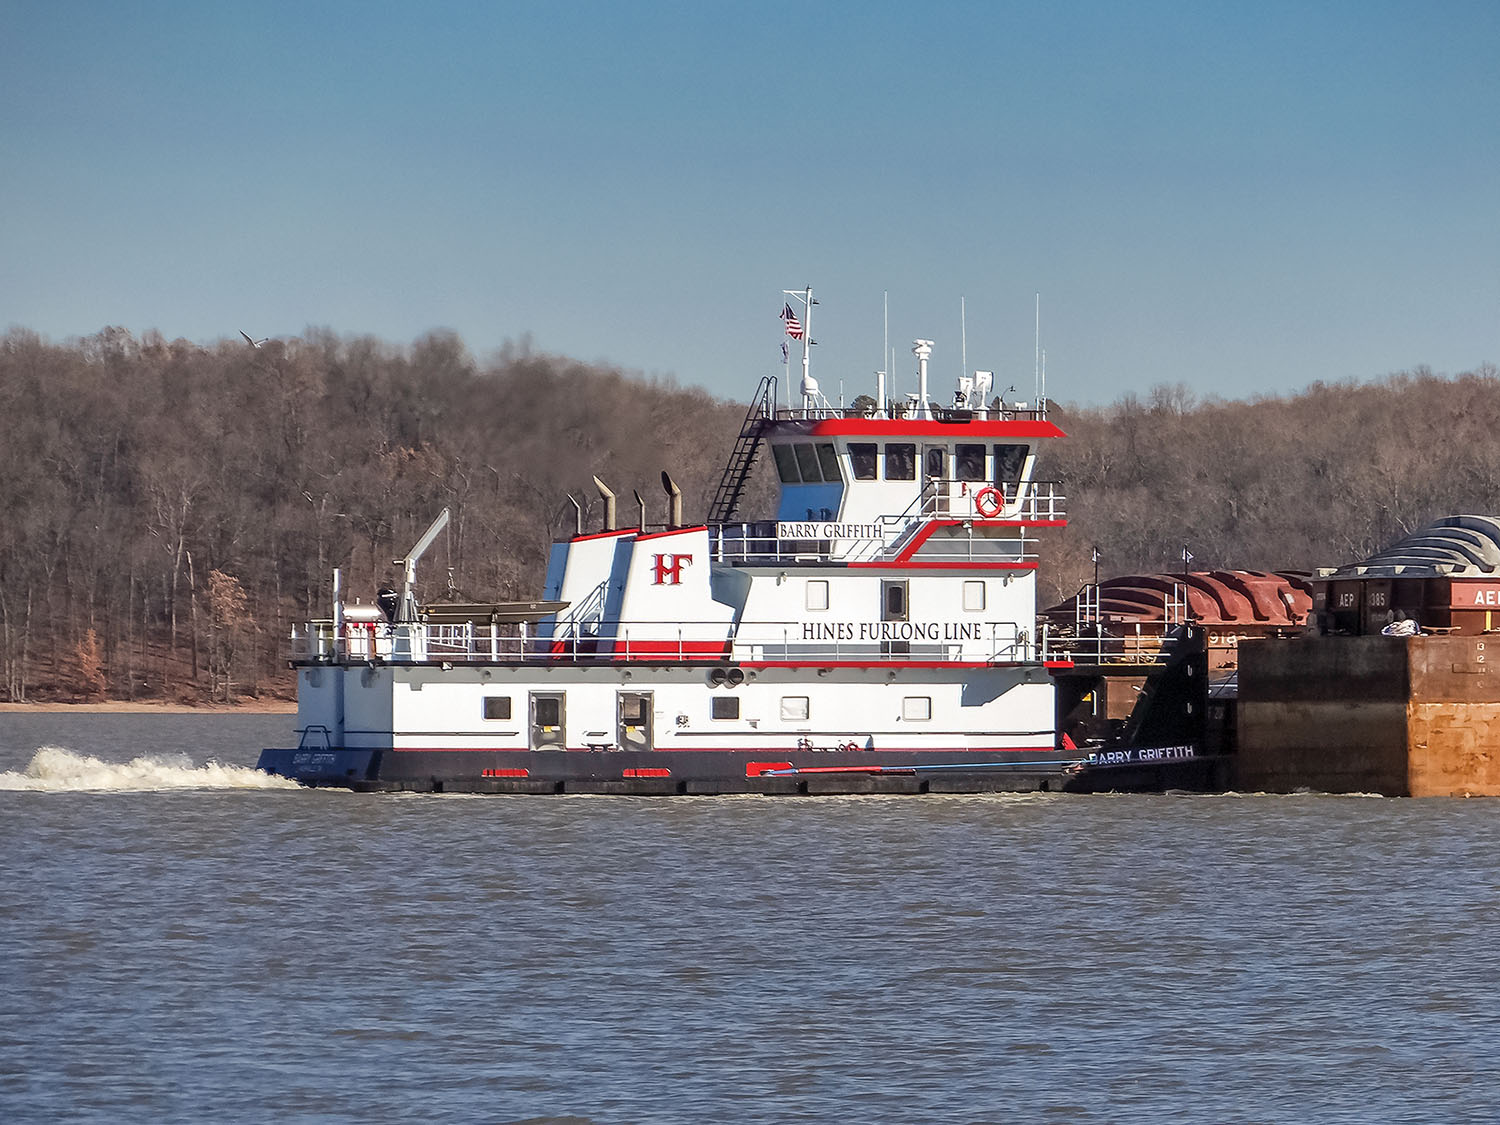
column 253, row 343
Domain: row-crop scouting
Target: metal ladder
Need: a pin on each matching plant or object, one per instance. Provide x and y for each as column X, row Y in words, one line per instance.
column 742, row 457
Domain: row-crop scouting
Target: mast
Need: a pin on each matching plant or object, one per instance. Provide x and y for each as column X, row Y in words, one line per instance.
column 808, row 386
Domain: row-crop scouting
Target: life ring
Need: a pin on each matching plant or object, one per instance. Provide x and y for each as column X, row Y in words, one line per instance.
column 988, row 502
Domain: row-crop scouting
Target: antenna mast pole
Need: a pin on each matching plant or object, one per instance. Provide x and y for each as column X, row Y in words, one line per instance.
column 963, row 336
column 1036, row 370
column 806, row 297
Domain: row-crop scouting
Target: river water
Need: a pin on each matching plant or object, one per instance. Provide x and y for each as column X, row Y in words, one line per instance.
column 182, row 942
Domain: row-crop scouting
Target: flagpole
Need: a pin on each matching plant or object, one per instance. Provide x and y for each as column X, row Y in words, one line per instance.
column 807, row 336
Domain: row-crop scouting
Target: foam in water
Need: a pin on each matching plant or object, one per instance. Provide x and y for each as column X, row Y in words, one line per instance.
column 59, row 770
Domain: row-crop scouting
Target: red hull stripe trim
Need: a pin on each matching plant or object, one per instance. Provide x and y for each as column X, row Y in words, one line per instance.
column 921, row 427
column 504, row 773
column 918, row 564
column 674, row 531
column 687, row 650
column 599, row 535
column 893, row 664
column 755, row 769
column 647, row 772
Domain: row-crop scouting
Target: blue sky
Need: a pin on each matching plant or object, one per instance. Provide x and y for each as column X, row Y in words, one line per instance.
column 1242, row 198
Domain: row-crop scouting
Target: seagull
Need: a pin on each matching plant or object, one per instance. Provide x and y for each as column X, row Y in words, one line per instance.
column 253, row 343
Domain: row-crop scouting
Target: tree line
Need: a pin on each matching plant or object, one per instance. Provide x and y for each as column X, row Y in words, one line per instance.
column 171, row 509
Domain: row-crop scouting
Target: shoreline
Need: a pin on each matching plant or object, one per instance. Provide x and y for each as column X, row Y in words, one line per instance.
column 124, row 707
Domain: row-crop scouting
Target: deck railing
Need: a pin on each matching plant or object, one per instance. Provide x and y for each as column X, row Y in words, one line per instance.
column 996, row 642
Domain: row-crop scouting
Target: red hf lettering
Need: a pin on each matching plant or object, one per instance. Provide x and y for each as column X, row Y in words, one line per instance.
column 668, row 569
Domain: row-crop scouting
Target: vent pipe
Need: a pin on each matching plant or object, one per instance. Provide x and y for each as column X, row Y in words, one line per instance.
column 577, row 515
column 640, row 502
column 609, row 504
column 922, row 349
column 674, row 500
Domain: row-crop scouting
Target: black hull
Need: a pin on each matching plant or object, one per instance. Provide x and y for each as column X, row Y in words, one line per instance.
column 664, row 773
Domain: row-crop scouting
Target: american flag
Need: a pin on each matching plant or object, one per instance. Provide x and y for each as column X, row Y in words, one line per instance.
column 793, row 325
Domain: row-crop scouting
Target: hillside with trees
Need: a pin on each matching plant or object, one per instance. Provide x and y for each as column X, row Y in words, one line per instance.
column 171, row 509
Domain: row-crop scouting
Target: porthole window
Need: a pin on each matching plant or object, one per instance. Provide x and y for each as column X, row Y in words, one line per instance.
column 817, row 593
column 497, row 707
column 726, row 707
column 916, row 708
column 794, row 708
column 973, row 596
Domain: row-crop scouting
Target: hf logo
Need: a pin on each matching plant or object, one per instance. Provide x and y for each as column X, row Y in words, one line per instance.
column 668, row 569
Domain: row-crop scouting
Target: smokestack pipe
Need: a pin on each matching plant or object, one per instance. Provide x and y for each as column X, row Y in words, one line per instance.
column 609, row 504
column 674, row 495
column 577, row 515
column 640, row 503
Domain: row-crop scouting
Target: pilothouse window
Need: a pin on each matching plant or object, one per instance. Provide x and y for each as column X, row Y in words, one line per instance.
column 862, row 459
column 900, row 461
column 1009, row 461
column 786, row 464
column 828, row 461
column 968, row 462
column 807, row 461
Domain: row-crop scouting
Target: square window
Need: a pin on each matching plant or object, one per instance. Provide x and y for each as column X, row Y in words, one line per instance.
column 900, row 461
column 497, row 707
column 726, row 707
column 968, row 462
column 817, row 594
column 973, row 596
column 862, row 459
column 916, row 708
column 893, row 601
column 794, row 708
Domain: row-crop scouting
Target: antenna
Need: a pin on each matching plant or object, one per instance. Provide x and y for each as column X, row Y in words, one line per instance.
column 1042, row 400
column 963, row 336
column 1036, row 372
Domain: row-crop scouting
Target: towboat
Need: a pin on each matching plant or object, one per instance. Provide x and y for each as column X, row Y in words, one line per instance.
column 878, row 635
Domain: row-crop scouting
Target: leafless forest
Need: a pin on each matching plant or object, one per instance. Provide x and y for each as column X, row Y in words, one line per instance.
column 171, row 509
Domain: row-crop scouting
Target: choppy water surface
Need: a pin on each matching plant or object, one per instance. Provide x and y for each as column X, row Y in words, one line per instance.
column 184, row 943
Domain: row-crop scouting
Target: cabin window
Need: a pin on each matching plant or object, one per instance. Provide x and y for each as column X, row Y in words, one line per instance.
column 935, row 457
column 786, row 464
column 807, row 462
column 1009, row 461
column 862, row 459
column 817, row 594
column 893, row 601
column 900, row 460
column 794, row 708
column 726, row 707
column 548, row 710
column 497, row 707
column 828, row 461
column 916, row 708
column 968, row 462
column 973, row 596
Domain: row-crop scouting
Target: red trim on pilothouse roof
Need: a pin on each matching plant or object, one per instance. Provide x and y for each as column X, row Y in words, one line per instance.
column 673, row 531
column 925, row 427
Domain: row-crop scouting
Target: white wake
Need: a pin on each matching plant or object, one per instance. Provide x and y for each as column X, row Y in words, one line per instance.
column 54, row 769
